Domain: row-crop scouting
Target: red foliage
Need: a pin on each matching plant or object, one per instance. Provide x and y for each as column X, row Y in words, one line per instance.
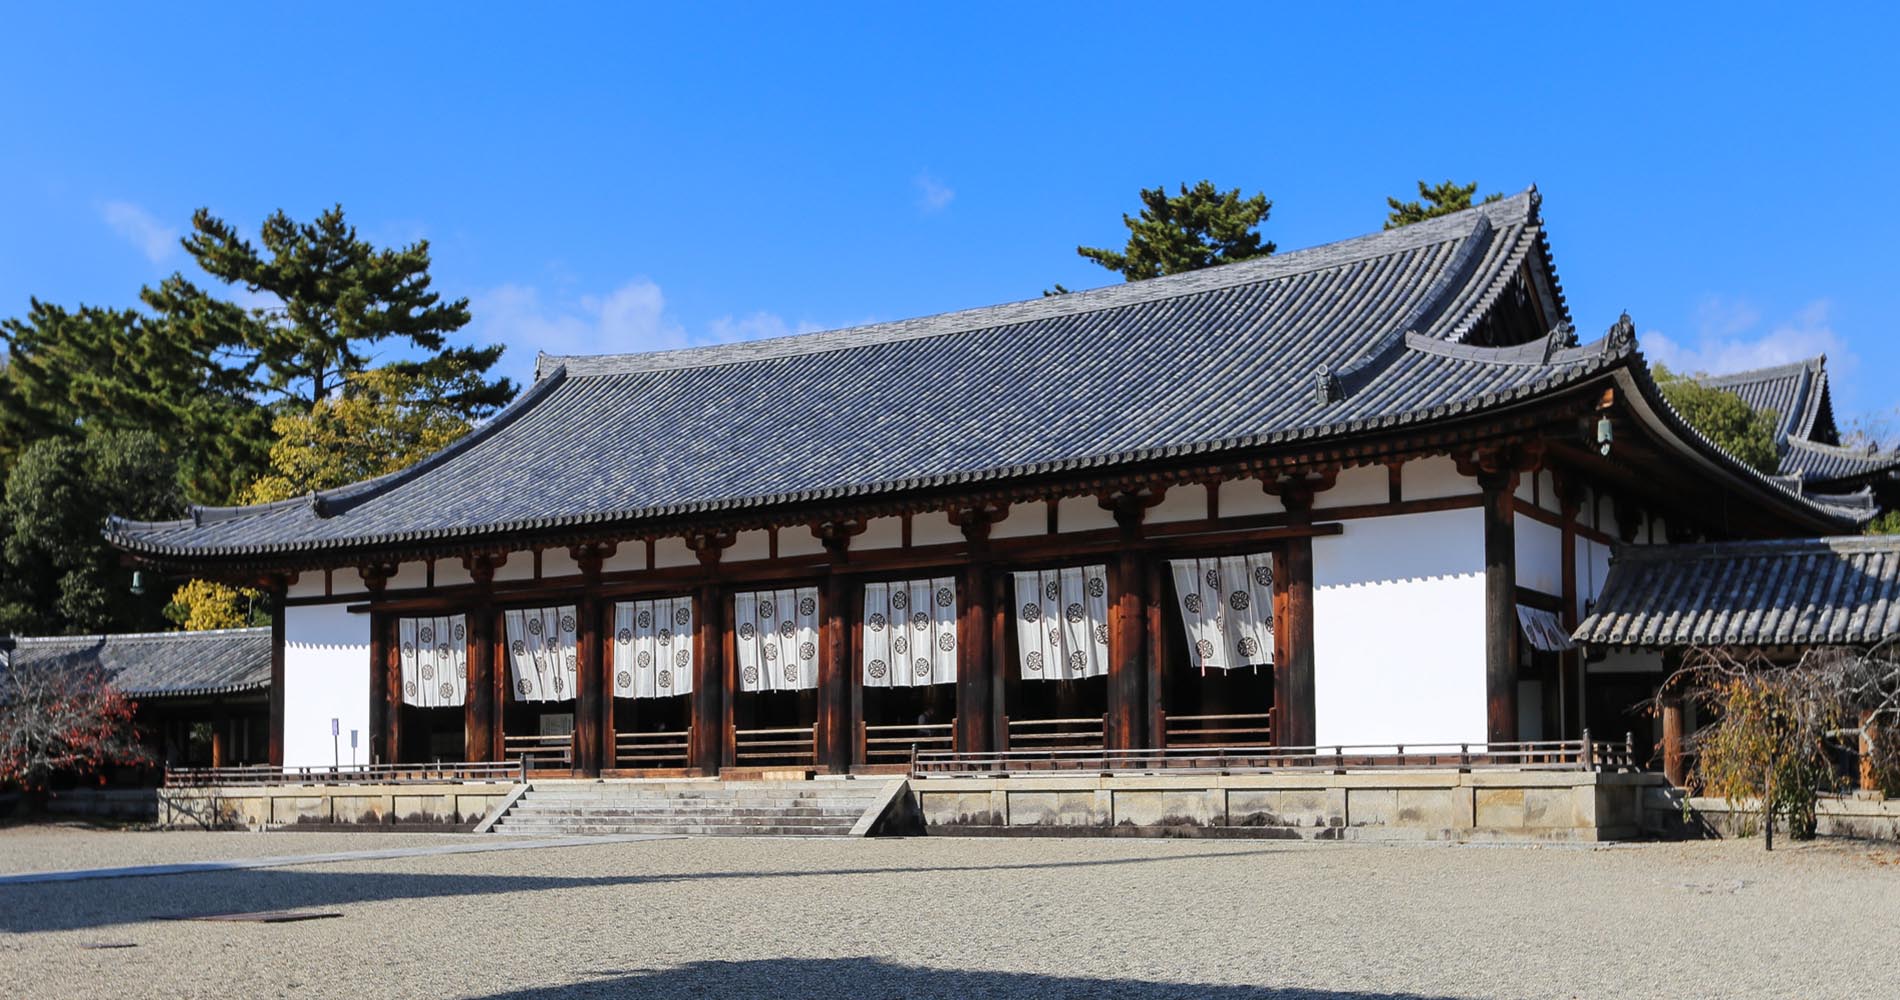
column 56, row 719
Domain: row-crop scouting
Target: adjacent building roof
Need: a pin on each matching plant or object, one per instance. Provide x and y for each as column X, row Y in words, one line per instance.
column 1370, row 333
column 1818, row 591
column 1806, row 435
column 158, row 664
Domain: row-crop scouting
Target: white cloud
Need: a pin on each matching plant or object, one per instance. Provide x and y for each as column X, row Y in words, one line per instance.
column 138, row 227
column 1729, row 338
column 630, row 319
column 932, row 194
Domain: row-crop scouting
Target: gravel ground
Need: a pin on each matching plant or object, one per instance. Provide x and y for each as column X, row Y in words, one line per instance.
column 59, row 847
column 960, row 918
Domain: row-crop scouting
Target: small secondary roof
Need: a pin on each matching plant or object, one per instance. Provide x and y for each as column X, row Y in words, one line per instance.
column 157, row 664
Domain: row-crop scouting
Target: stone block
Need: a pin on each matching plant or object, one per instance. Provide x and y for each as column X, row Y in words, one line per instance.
column 299, row 809
column 1055, row 808
column 1499, row 808
column 1550, row 809
column 1294, row 807
column 367, row 809
column 423, row 808
column 1372, row 806
column 1434, row 808
column 958, row 809
column 1168, row 807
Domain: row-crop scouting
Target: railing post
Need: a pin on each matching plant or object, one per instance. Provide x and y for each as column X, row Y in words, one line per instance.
column 524, row 767
column 913, row 759
column 1339, row 758
column 1629, row 750
column 1464, row 756
column 1587, row 754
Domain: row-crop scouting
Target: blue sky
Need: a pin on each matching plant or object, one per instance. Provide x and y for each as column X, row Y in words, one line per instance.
column 619, row 178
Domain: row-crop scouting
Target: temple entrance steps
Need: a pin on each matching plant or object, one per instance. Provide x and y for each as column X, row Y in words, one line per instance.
column 706, row 807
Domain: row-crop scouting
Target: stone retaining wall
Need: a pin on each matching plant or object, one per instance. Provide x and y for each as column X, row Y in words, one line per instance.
column 1377, row 805
column 444, row 805
column 1868, row 818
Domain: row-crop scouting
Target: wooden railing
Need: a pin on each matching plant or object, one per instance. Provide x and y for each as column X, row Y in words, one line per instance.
column 893, row 744
column 1538, row 755
column 794, row 746
column 542, row 753
column 1055, row 734
column 348, row 774
column 636, row 750
column 1253, row 730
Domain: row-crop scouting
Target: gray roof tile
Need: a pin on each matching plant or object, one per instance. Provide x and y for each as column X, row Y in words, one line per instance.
column 158, row 664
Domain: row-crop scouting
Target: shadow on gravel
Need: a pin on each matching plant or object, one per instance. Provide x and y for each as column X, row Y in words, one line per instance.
column 778, row 978
column 61, row 906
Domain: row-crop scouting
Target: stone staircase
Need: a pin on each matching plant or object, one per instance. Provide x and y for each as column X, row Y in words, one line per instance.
column 709, row 808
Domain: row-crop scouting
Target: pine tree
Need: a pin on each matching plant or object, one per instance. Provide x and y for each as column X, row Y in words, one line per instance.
column 1200, row 227
column 341, row 299
column 1437, row 200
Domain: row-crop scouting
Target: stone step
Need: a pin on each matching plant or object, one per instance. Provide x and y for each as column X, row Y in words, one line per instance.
column 605, row 829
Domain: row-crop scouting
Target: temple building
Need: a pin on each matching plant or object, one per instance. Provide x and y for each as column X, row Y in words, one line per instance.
column 1812, row 457
column 1356, row 494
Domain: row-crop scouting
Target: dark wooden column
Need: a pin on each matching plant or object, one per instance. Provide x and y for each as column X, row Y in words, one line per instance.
column 478, row 715
column 1296, row 714
column 1500, row 603
column 835, row 733
column 1569, row 664
column 975, row 684
column 1157, row 720
column 590, row 680
column 710, row 715
column 1673, row 761
column 1128, row 621
column 385, row 703
column 275, row 746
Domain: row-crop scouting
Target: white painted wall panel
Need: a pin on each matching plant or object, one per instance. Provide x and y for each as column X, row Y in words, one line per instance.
column 880, row 533
column 1024, row 519
column 1434, row 477
column 519, row 566
column 1540, row 553
column 1184, row 502
column 754, row 544
column 1398, row 629
column 449, row 572
column 1361, row 484
column 326, row 676
column 310, row 583
column 798, row 541
column 410, row 576
column 933, row 527
column 558, row 561
column 672, row 552
column 1245, row 497
column 1082, row 514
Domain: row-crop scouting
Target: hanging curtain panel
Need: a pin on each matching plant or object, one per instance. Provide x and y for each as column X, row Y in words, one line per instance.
column 653, row 648
column 776, row 639
column 1062, row 623
column 542, row 655
column 434, row 655
column 910, row 633
column 1226, row 606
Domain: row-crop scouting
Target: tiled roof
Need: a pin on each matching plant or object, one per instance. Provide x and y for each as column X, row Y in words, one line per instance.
column 1821, row 463
column 1353, row 336
column 1817, row 591
column 159, row 664
column 1797, row 393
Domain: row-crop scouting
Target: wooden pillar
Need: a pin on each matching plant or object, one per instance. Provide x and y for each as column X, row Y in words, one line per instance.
column 1673, row 764
column 1003, row 673
column 836, row 719
column 1294, row 686
column 385, row 682
column 1500, row 605
column 478, row 715
column 1869, row 733
column 1128, row 620
column 1157, row 720
column 277, row 588
column 710, row 712
column 975, row 665
column 1569, row 664
column 591, row 742
column 217, row 740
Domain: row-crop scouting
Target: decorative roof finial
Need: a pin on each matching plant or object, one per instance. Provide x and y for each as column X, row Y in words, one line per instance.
column 1622, row 337
column 1326, row 388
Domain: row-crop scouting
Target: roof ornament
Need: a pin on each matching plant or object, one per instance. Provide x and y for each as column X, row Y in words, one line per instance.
column 317, row 506
column 1326, row 388
column 1622, row 336
column 1560, row 336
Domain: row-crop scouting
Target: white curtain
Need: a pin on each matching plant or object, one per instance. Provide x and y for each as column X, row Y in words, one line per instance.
column 1062, row 623
column 541, row 652
column 910, row 633
column 653, row 648
column 776, row 638
column 1226, row 606
column 434, row 655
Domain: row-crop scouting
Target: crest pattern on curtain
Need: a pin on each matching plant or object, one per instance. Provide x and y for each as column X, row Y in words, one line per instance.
column 542, row 654
column 653, row 648
column 1226, row 606
column 775, row 635
column 910, row 633
column 1062, row 623
column 434, row 656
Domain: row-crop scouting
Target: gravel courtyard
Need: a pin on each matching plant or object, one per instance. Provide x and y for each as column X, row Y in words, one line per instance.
column 953, row 918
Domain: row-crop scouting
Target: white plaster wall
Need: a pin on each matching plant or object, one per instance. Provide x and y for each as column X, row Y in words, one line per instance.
column 1183, row 502
column 880, row 533
column 519, row 566
column 1593, row 565
column 1024, row 519
column 326, row 676
column 1082, row 514
column 1434, row 477
column 672, row 552
column 630, row 555
column 449, row 572
column 1398, row 630
column 558, row 561
column 1245, row 497
column 1540, row 554
column 410, row 576
column 754, row 544
column 343, row 580
column 1547, row 492
column 798, row 541
column 933, row 527
column 1361, row 484
column 310, row 583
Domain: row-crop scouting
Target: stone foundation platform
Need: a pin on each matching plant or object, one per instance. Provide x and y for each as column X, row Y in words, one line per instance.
column 419, row 806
